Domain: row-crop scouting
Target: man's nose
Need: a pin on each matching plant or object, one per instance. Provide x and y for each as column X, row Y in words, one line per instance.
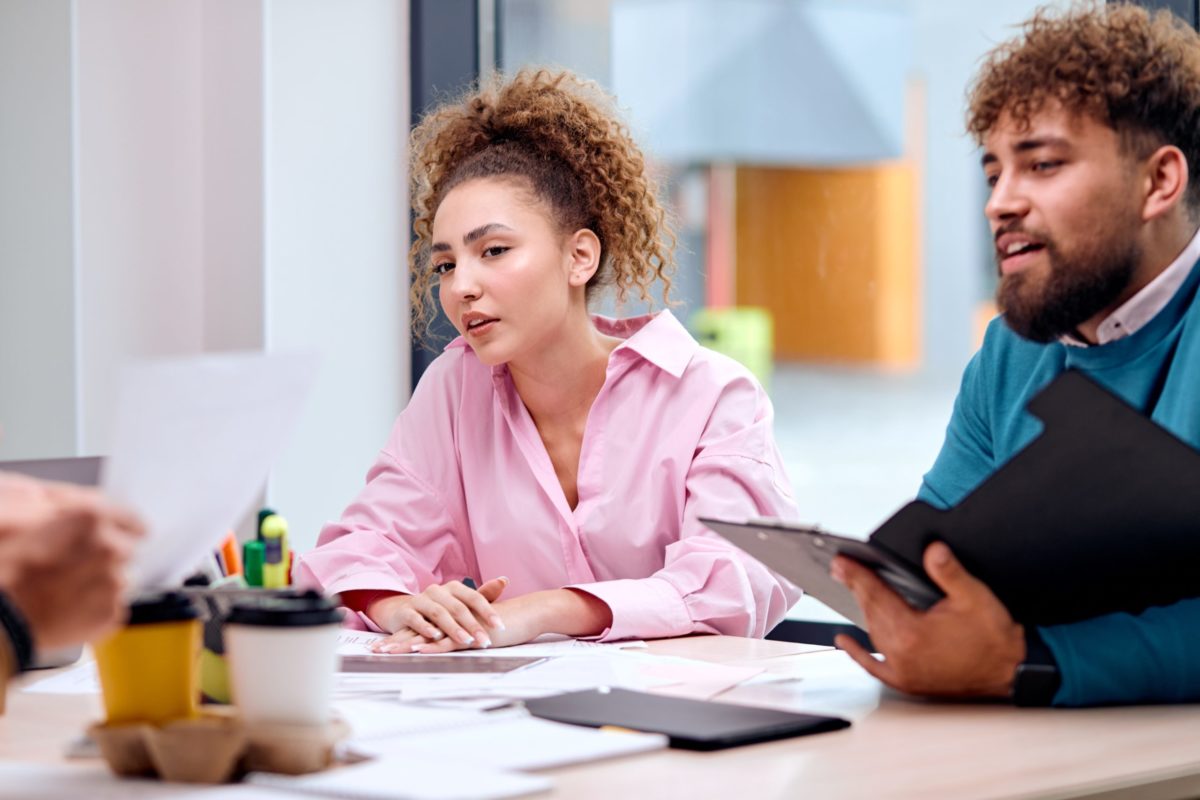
column 1007, row 200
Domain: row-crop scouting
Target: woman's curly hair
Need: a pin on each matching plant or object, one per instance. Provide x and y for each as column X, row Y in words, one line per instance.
column 562, row 136
column 1136, row 71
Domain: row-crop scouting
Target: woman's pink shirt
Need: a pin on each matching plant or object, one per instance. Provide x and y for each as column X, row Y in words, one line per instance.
column 464, row 488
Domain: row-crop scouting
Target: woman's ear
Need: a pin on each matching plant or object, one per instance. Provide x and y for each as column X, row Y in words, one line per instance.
column 1166, row 181
column 583, row 249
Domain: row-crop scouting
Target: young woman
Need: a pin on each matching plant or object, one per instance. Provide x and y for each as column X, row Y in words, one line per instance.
column 558, row 460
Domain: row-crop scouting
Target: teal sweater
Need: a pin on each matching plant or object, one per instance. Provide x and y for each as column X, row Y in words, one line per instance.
column 1120, row 658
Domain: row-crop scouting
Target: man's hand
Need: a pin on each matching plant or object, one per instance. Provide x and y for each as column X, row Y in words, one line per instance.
column 966, row 645
column 63, row 554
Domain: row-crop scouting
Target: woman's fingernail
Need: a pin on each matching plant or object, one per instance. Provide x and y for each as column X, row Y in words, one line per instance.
column 497, row 623
column 485, row 642
column 466, row 639
column 416, row 648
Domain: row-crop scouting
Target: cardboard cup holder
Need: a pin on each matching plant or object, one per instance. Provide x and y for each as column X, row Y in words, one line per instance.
column 216, row 747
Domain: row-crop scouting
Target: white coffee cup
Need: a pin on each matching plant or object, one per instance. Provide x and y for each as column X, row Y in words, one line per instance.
column 282, row 655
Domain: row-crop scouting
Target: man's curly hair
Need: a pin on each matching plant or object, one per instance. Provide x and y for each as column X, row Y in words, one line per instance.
column 562, row 138
column 1135, row 71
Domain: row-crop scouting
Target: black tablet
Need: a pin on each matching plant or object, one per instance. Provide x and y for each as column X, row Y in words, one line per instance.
column 802, row 554
column 688, row 724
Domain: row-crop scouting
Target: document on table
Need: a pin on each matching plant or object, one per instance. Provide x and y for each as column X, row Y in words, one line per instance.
column 193, row 442
column 408, row 778
column 96, row 782
column 385, row 779
column 508, row 739
column 79, row 679
column 355, row 643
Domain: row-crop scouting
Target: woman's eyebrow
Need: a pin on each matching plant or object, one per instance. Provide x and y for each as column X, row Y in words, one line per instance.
column 472, row 236
column 484, row 230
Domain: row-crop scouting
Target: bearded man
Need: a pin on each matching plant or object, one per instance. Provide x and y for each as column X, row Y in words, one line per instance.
column 1090, row 128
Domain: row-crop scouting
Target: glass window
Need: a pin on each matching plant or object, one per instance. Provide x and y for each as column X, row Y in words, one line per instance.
column 814, row 156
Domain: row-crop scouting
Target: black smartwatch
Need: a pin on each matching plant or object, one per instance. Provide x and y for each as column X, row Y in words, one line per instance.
column 1037, row 678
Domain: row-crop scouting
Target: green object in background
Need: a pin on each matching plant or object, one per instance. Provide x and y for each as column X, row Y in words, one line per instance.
column 746, row 334
column 254, row 553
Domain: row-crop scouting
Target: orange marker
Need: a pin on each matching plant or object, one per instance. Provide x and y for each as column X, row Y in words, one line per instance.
column 231, row 555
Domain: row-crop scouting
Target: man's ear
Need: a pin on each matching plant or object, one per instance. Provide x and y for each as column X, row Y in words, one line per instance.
column 583, row 250
column 1166, row 180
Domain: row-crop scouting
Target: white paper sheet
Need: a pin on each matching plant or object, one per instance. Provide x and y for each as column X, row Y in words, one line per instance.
column 95, row 782
column 509, row 739
column 192, row 445
column 80, row 679
column 356, row 643
column 409, row 778
column 553, row 676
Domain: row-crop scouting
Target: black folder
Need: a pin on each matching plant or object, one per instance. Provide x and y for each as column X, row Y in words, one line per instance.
column 1099, row 514
column 688, row 724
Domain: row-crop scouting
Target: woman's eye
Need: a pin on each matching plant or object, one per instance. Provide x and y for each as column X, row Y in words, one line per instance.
column 1043, row 166
column 495, row 250
column 443, row 268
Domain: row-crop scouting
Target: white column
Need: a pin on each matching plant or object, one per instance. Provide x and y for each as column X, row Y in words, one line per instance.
column 336, row 236
column 188, row 176
column 37, row 221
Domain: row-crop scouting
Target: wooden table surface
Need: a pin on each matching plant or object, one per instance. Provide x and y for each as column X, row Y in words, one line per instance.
column 896, row 748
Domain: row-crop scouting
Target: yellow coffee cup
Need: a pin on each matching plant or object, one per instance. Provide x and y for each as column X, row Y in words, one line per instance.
column 149, row 669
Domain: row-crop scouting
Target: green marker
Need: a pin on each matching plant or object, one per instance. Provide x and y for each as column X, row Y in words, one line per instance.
column 253, row 556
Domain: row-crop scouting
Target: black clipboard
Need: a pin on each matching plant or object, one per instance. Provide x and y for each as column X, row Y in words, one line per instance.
column 1099, row 514
column 688, row 724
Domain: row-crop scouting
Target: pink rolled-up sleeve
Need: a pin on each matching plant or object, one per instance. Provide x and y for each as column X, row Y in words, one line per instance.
column 402, row 532
column 706, row 585
column 397, row 535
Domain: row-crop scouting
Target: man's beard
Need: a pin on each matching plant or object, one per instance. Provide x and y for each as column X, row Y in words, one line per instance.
column 1078, row 287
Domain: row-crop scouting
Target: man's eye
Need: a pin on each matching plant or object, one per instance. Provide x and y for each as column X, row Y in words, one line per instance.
column 992, row 180
column 443, row 268
column 495, row 250
column 1043, row 166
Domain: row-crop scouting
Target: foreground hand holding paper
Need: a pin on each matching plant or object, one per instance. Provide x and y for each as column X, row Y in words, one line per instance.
column 193, row 443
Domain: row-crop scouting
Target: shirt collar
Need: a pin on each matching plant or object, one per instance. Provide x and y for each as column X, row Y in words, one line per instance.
column 1145, row 305
column 658, row 338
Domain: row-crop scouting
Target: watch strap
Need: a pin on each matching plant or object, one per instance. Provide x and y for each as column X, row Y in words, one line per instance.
column 1037, row 679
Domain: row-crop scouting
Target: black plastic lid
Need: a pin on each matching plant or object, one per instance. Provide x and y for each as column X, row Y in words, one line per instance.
column 299, row 610
column 164, row 607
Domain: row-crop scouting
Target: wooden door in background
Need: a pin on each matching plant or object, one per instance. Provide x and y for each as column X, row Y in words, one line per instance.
column 832, row 254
